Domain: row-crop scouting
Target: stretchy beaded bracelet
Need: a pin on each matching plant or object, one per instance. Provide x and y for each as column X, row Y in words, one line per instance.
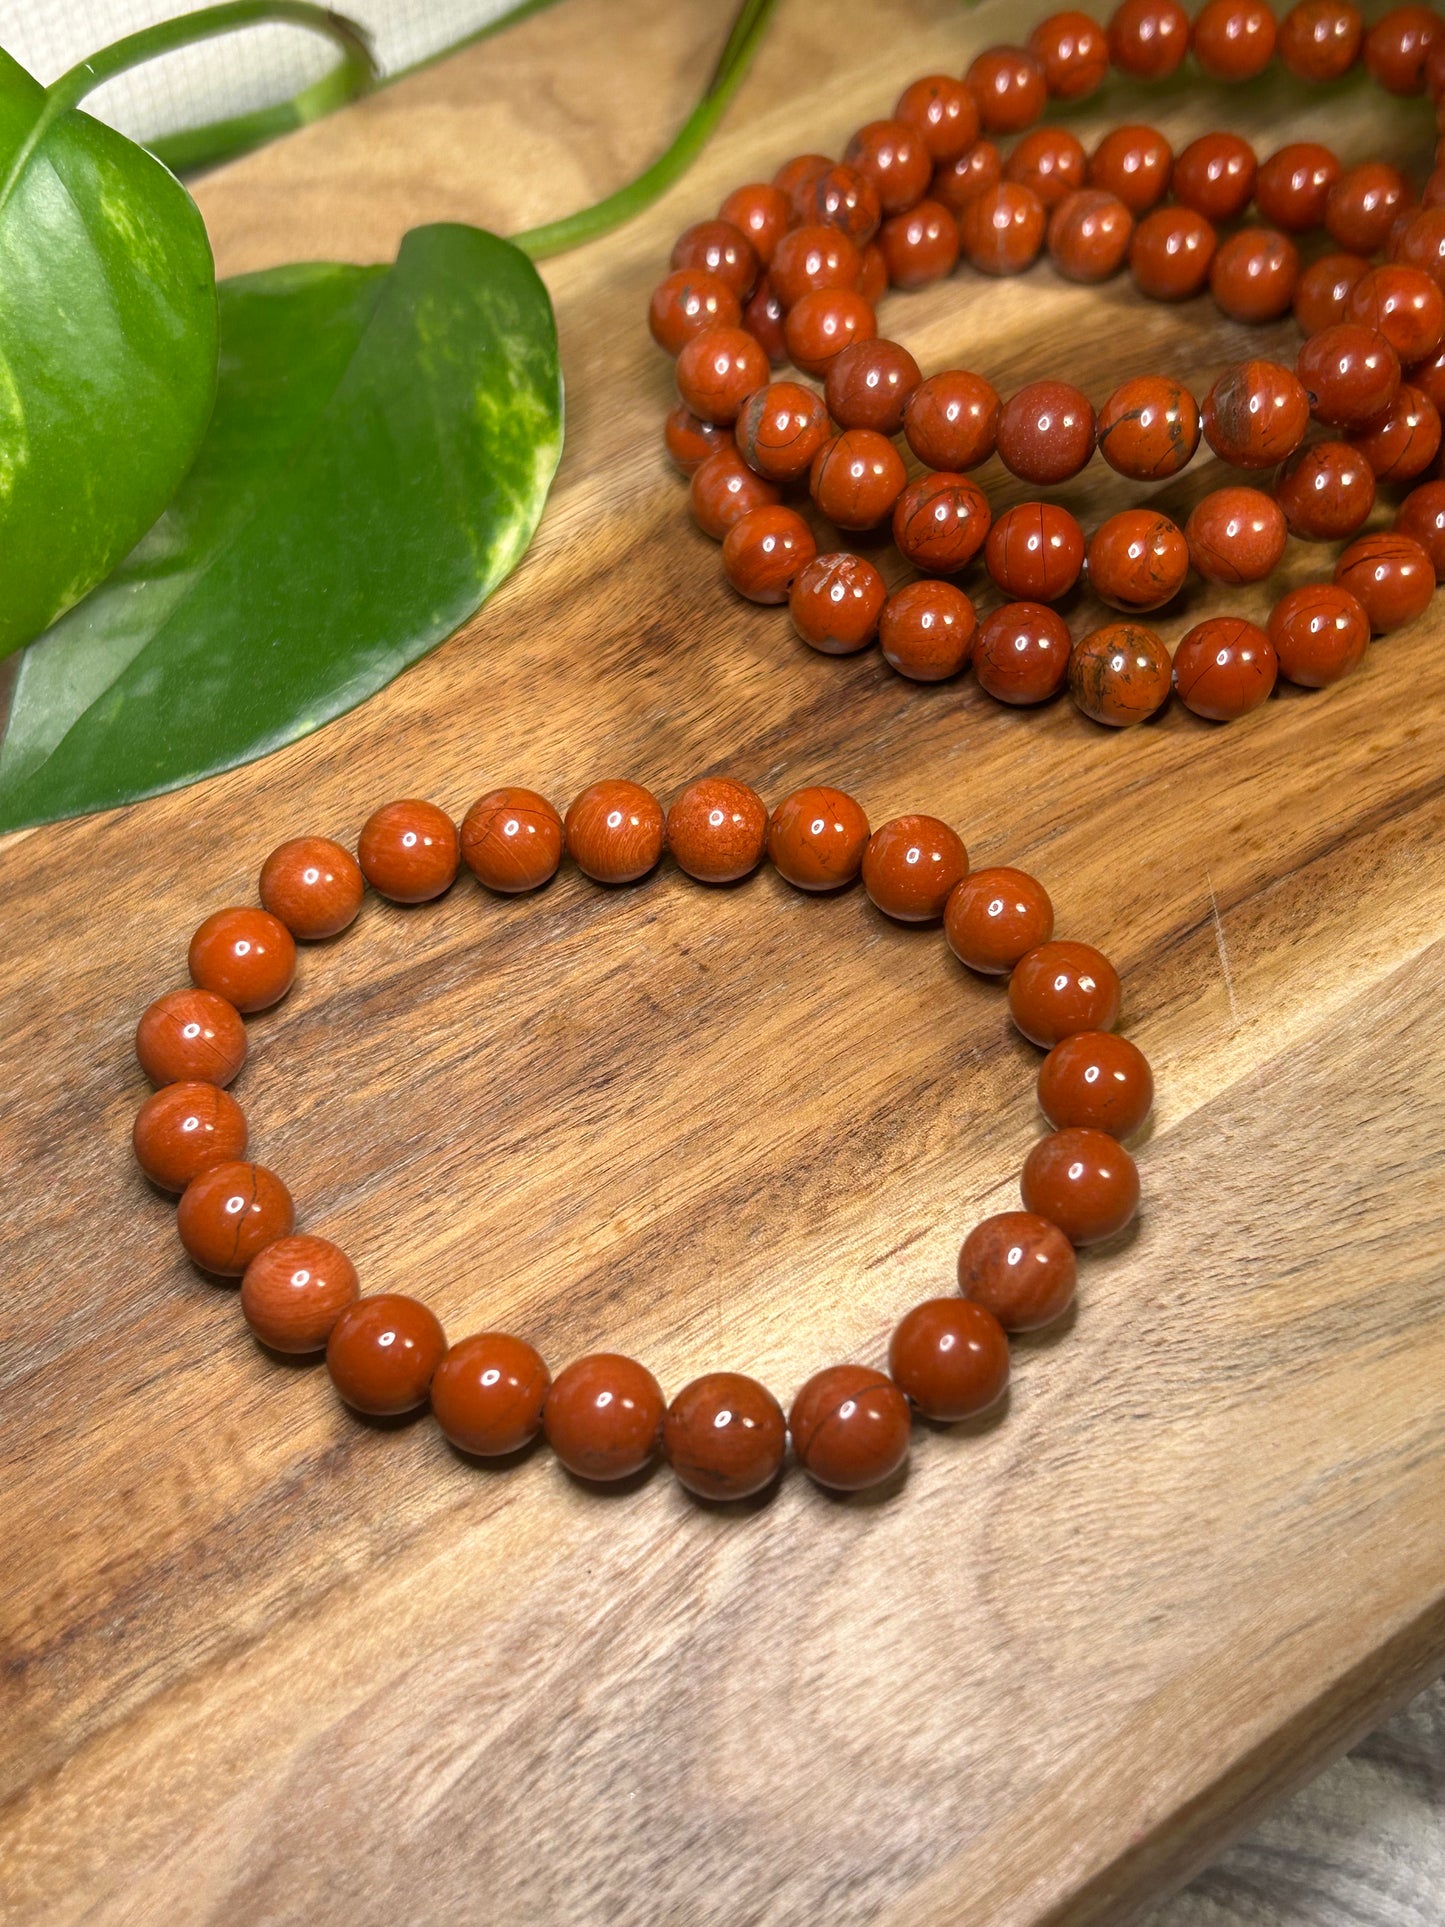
column 604, row 1416
column 793, row 268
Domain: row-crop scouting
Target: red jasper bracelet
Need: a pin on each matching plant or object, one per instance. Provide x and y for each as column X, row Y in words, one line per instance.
column 793, row 269
column 604, row 1416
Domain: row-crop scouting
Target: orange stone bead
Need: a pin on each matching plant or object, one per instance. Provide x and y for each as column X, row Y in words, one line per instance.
column 1421, row 516
column 1002, row 229
column 1320, row 39
column 872, row 275
column 1090, row 234
column 1138, row 560
column 920, row 245
column 1035, row 551
column 724, row 1436
column 842, row 197
column 409, row 851
column 974, row 172
column 1008, row 84
column 717, row 829
column 781, row 428
column 294, row 1290
column 689, row 440
column 1133, row 163
column 1404, row 304
column 1236, row 535
column 1420, row 243
column 1148, row 38
column 762, row 212
column 1214, row 176
column 1320, row 633
column 910, row 866
column 1293, row 185
column 950, row 1357
column 688, row 302
column 1256, row 414
column 1397, row 46
column 1350, row 373
column 996, row 916
column 1170, row 254
column 795, row 178
column 614, row 831
column 229, row 1212
column 835, row 603
column 1233, row 39
column 313, row 885
column 941, row 521
column 821, row 325
column 813, row 257
column 895, row 159
column 850, row 1427
column 181, row 1129
column 951, row 421
column 603, row 1417
column 717, row 371
column 1021, row 653
column 512, row 840
column 1119, row 674
column 816, row 838
column 1361, row 207
column 190, row 1036
column 763, row 318
column 1254, row 274
column 1406, row 439
column 1224, row 667
column 764, row 550
column 1046, row 432
column 856, row 478
column 1051, row 161
column 488, row 1392
column 1083, row 1181
column 1061, row 987
column 926, row 630
column 1073, row 51
column 869, row 384
column 1149, row 428
column 942, row 113
column 724, row 489
column 1323, row 290
column 1095, row 1081
column 246, row 956
column 1021, row 1268
column 1325, row 491
column 720, row 249
column 383, row 1352
column 1390, row 577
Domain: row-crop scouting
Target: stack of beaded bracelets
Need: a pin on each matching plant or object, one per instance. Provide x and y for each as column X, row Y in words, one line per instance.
column 811, row 252
column 604, row 1416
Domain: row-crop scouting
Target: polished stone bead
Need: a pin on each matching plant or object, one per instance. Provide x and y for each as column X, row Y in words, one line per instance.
column 820, row 326
column 688, row 302
column 920, row 245
column 764, row 550
column 1138, row 560
column 869, row 385
column 1119, row 674
column 781, row 428
column 1256, row 414
column 1149, row 428
column 1320, row 633
column 763, row 318
column 1214, row 175
column 1089, row 235
column 950, row 1357
column 488, row 1392
column 1094, row 1080
column 926, row 630
column 816, row 838
column 957, row 182
column 841, row 197
column 1404, row 305
column 1233, row 39
column 872, row 279
column 382, row 1353
column 1021, row 653
column 1170, row 253
column 1224, row 667
column 313, row 885
column 911, row 864
column 1397, row 46
column 717, row 370
column 1325, row 490
column 942, row 113
column 1073, row 51
column 190, row 1036
column 512, row 840
column 614, row 831
column 951, row 420
column 835, row 603
column 1035, row 551
column 182, row 1129
column 996, row 916
column 1293, row 185
column 229, row 1212
column 1133, row 163
column 724, row 489
column 1046, row 432
column 1083, row 1181
column 1322, row 292
column 724, row 1436
column 941, row 521
column 1236, row 535
column 895, row 159
column 1421, row 516
column 294, row 1290
column 1350, row 373
column 1008, row 84
column 717, row 829
column 246, row 956
column 812, row 257
column 1002, row 228
column 409, row 851
column 1390, row 576
column 603, row 1417
column 762, row 212
column 1148, row 38
column 1051, row 161
column 1362, row 206
column 1060, row 987
column 1403, row 443
column 1420, row 243
column 850, row 1427
column 1320, row 39
column 1020, row 1267
column 856, row 478
column 718, row 248
column 1254, row 274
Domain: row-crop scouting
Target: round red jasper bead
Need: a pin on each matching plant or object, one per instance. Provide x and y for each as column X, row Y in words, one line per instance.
column 614, row 831
column 1119, row 674
column 294, row 1290
column 835, row 603
column 764, row 550
column 1293, row 185
column 1350, row 374
column 1215, row 175
column 1148, row 38
column 780, row 429
column 920, row 245
column 1421, row 516
column 1320, row 633
column 720, row 249
column 229, row 1212
column 856, row 478
column 717, row 829
column 1138, row 560
column 190, row 1036
column 996, row 916
column 1089, row 235
column 603, row 1417
column 1323, row 290
column 942, row 113
column 1083, row 1181
column 813, row 257
column 869, row 385
column 850, row 1427
column 1046, row 432
column 1256, row 414
column 950, row 1357
column 688, row 302
column 951, row 421
column 760, row 211
column 313, row 885
column 895, row 159
column 940, row 522
column 1135, row 164
column 1008, row 84
column 816, row 838
column 1170, row 253
column 488, row 1392
column 1061, row 987
column 927, row 630
column 1233, row 39
column 1019, row 1266
column 821, row 325
column 911, row 864
column 1035, row 551
column 1254, row 274
column 1094, row 1080
column 1236, row 535
column 512, row 840
column 724, row 489
column 1320, row 39
column 1002, row 228
column 1021, row 653
column 409, row 851
column 246, row 956
column 724, row 1436
column 382, row 1354
column 1406, row 307
column 182, row 1129
column 1325, row 491
column 1073, row 51
column 1404, row 441
column 1390, row 576
column 1224, row 667
column 1149, row 428
column 717, row 371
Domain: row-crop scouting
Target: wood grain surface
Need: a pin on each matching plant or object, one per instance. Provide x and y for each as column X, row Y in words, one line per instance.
column 267, row 1663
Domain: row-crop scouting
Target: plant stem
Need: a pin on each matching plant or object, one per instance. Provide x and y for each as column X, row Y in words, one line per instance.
column 742, row 42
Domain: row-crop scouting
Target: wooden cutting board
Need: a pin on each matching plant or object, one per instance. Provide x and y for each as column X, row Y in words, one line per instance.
column 266, row 1663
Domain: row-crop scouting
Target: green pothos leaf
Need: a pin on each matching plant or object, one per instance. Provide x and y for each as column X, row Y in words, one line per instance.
column 382, row 444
